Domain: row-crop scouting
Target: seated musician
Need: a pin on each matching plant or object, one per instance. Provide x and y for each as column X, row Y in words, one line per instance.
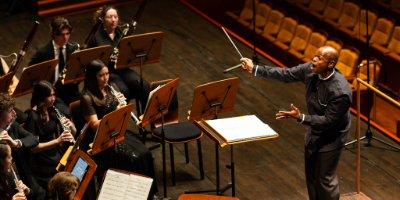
column 63, row 186
column 60, row 30
column 127, row 80
column 42, row 121
column 97, row 101
column 21, row 116
column 8, row 187
column 19, row 140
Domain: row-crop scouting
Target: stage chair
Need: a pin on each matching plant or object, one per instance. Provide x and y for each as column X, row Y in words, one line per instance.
column 245, row 28
column 76, row 115
column 230, row 17
column 336, row 43
column 299, row 43
column 285, row 34
column 348, row 62
column 177, row 132
column 204, row 197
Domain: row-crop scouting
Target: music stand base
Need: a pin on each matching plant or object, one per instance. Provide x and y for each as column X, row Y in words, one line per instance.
column 368, row 144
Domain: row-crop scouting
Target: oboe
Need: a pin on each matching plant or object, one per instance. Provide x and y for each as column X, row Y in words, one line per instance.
column 9, row 126
column 16, row 180
column 65, row 128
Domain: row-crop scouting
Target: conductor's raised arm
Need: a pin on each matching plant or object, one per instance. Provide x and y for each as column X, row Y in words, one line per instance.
column 247, row 64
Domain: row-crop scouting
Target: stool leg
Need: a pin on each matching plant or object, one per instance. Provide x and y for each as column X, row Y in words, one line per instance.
column 171, row 151
column 200, row 159
column 187, row 153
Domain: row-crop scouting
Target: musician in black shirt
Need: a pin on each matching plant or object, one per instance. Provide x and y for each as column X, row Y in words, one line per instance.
column 328, row 98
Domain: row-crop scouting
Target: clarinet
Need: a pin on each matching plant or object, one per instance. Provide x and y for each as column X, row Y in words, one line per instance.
column 114, row 92
column 59, row 117
column 16, row 180
column 9, row 126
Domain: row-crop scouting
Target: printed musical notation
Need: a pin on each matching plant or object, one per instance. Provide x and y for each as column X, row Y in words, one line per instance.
column 119, row 185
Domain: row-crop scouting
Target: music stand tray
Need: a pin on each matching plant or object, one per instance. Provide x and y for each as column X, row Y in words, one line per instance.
column 133, row 48
column 5, row 82
column 89, row 173
column 33, row 74
column 79, row 60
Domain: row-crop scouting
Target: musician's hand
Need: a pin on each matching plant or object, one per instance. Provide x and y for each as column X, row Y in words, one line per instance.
column 121, row 96
column 69, row 124
column 122, row 104
column 247, row 64
column 4, row 136
column 64, row 137
column 294, row 114
column 23, row 187
column 19, row 196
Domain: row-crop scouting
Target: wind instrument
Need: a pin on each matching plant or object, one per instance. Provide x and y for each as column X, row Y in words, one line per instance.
column 9, row 126
column 65, row 128
column 16, row 180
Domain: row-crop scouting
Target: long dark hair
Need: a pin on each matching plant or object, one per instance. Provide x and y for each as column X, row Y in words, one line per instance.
column 5, row 189
column 41, row 91
column 91, row 85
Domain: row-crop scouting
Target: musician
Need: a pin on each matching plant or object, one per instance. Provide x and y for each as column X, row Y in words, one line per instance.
column 328, row 98
column 97, row 101
column 42, row 121
column 8, row 188
column 21, row 116
column 19, row 140
column 127, row 80
column 60, row 30
column 63, row 186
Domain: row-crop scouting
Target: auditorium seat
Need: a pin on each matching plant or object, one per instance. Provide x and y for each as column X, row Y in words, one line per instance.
column 348, row 62
column 245, row 29
column 383, row 31
column 230, row 17
column 394, row 44
column 303, row 2
column 317, row 40
column 274, row 22
column 332, row 12
column 392, row 69
column 336, row 43
column 285, row 34
column 317, row 6
column 299, row 42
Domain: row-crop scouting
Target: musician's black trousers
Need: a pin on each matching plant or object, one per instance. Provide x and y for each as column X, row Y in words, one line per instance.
column 128, row 82
column 321, row 177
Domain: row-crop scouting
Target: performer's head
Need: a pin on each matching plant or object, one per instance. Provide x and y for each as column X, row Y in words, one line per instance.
column 60, row 30
column 7, row 112
column 110, row 15
column 324, row 60
column 5, row 162
column 43, row 97
column 97, row 76
column 63, row 185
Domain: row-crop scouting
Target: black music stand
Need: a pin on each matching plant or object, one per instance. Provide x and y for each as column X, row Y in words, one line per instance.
column 33, row 74
column 156, row 108
column 139, row 50
column 211, row 99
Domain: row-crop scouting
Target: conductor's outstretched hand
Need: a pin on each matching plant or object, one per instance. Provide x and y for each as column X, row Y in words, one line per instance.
column 247, row 64
column 294, row 114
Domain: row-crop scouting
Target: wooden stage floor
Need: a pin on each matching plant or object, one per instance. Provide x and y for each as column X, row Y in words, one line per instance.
column 197, row 52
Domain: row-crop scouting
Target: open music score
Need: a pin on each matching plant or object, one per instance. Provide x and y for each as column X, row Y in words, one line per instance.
column 119, row 184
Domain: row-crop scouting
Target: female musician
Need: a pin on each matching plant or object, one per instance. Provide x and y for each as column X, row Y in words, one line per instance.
column 42, row 121
column 63, row 186
column 8, row 188
column 127, row 80
column 97, row 101
column 14, row 82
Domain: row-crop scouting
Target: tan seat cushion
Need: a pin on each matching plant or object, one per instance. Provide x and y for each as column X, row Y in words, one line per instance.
column 333, row 9
column 349, row 15
column 274, row 22
column 383, row 32
column 334, row 44
column 372, row 18
column 301, row 38
column 287, row 31
column 394, row 44
column 318, row 5
column 262, row 14
column 317, row 40
column 348, row 62
column 247, row 12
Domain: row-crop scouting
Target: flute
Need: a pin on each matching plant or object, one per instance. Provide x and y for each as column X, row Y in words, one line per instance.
column 9, row 126
column 16, row 180
column 65, row 128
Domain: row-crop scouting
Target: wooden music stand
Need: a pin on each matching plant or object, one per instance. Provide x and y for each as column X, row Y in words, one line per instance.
column 33, row 74
column 157, row 106
column 111, row 130
column 67, row 157
column 5, row 82
column 213, row 93
column 89, row 173
column 137, row 50
column 221, row 96
column 79, row 60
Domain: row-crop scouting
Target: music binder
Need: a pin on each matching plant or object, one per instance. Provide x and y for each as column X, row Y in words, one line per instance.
column 119, row 184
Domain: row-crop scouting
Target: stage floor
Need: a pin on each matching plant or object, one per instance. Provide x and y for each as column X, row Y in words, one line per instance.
column 197, row 52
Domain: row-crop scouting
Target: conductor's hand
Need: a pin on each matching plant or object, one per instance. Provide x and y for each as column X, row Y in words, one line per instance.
column 247, row 64
column 294, row 114
column 64, row 137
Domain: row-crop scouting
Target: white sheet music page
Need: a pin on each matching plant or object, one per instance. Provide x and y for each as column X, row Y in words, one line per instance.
column 241, row 128
column 138, row 187
column 114, row 186
column 151, row 96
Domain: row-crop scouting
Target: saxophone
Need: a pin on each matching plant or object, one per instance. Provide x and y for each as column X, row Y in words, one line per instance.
column 65, row 128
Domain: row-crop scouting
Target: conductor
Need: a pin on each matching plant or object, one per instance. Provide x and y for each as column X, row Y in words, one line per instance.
column 328, row 98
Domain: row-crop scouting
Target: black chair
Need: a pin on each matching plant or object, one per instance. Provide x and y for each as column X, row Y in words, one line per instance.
column 177, row 132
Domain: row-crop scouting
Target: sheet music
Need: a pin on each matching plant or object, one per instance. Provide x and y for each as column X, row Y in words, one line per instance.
column 151, row 96
column 241, row 128
column 96, row 132
column 121, row 186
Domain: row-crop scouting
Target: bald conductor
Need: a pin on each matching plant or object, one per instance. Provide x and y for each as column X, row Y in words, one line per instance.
column 328, row 98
